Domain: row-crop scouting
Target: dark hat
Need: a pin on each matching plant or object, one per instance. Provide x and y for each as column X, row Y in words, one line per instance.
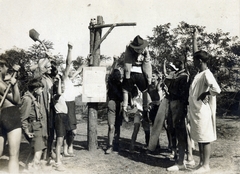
column 138, row 44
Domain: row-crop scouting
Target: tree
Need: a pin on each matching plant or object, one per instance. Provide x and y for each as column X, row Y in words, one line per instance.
column 224, row 51
column 19, row 57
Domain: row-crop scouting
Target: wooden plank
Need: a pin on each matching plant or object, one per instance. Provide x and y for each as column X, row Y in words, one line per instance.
column 109, row 25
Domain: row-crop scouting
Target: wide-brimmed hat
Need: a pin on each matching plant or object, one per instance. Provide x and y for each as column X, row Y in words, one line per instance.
column 138, row 44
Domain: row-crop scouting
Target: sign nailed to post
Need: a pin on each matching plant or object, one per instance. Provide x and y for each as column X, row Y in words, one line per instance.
column 94, row 85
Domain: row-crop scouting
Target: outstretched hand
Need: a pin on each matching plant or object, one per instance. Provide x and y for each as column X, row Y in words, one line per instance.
column 16, row 67
column 195, row 31
column 70, row 45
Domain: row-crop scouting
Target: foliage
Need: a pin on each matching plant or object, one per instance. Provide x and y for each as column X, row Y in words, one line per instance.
column 78, row 62
column 169, row 43
column 28, row 58
column 19, row 57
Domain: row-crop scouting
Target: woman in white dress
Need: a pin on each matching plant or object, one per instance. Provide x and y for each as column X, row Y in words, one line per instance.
column 202, row 108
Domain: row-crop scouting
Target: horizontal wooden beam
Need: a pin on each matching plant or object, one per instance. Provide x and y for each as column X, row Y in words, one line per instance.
column 109, row 25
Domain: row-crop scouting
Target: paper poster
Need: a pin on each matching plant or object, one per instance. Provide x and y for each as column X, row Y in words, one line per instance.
column 94, row 85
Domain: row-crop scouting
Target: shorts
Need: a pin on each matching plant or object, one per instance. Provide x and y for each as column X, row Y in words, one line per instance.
column 72, row 119
column 114, row 116
column 61, row 124
column 9, row 120
column 137, row 79
column 138, row 119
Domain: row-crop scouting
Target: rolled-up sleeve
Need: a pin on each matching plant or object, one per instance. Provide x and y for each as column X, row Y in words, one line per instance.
column 214, row 88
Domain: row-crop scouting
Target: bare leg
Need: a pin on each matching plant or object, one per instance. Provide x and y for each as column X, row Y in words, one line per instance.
column 204, row 157
column 111, row 130
column 2, row 143
column 58, row 149
column 189, row 145
column 134, row 136
column 65, row 147
column 37, row 158
column 68, row 143
column 124, row 105
column 200, row 145
column 14, row 140
column 70, row 146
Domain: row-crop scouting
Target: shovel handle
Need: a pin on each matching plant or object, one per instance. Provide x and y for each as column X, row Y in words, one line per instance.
column 6, row 91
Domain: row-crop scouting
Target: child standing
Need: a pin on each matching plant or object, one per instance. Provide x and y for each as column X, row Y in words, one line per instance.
column 61, row 120
column 114, row 108
column 32, row 120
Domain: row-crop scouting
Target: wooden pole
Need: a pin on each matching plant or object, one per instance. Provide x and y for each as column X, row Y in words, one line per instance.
column 93, row 107
column 92, row 36
column 95, row 28
column 109, row 25
column 104, row 37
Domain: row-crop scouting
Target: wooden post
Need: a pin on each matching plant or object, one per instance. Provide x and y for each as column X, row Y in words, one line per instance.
column 93, row 107
column 92, row 34
column 95, row 28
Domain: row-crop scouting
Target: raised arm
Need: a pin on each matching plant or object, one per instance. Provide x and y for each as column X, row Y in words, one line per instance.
column 164, row 68
column 68, row 61
column 195, row 47
column 59, row 89
column 40, row 68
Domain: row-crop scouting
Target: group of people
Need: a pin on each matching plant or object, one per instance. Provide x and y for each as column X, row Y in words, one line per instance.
column 43, row 113
column 46, row 111
column 184, row 105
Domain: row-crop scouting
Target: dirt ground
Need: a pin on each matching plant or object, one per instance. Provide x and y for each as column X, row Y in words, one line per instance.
column 225, row 157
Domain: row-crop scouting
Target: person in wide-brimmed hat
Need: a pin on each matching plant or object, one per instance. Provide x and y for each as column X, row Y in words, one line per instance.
column 137, row 70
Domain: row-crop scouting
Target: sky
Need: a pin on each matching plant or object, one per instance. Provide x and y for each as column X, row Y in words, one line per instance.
column 63, row 21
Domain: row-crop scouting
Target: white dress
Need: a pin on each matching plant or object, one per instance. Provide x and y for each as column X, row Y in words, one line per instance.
column 203, row 116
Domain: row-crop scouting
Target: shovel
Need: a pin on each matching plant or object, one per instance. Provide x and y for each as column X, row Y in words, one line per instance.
column 7, row 89
column 34, row 35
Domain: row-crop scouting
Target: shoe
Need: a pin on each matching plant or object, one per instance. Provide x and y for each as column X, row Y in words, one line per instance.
column 50, row 162
column 173, row 155
column 176, row 167
column 189, row 163
column 59, row 167
column 125, row 117
column 109, row 150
